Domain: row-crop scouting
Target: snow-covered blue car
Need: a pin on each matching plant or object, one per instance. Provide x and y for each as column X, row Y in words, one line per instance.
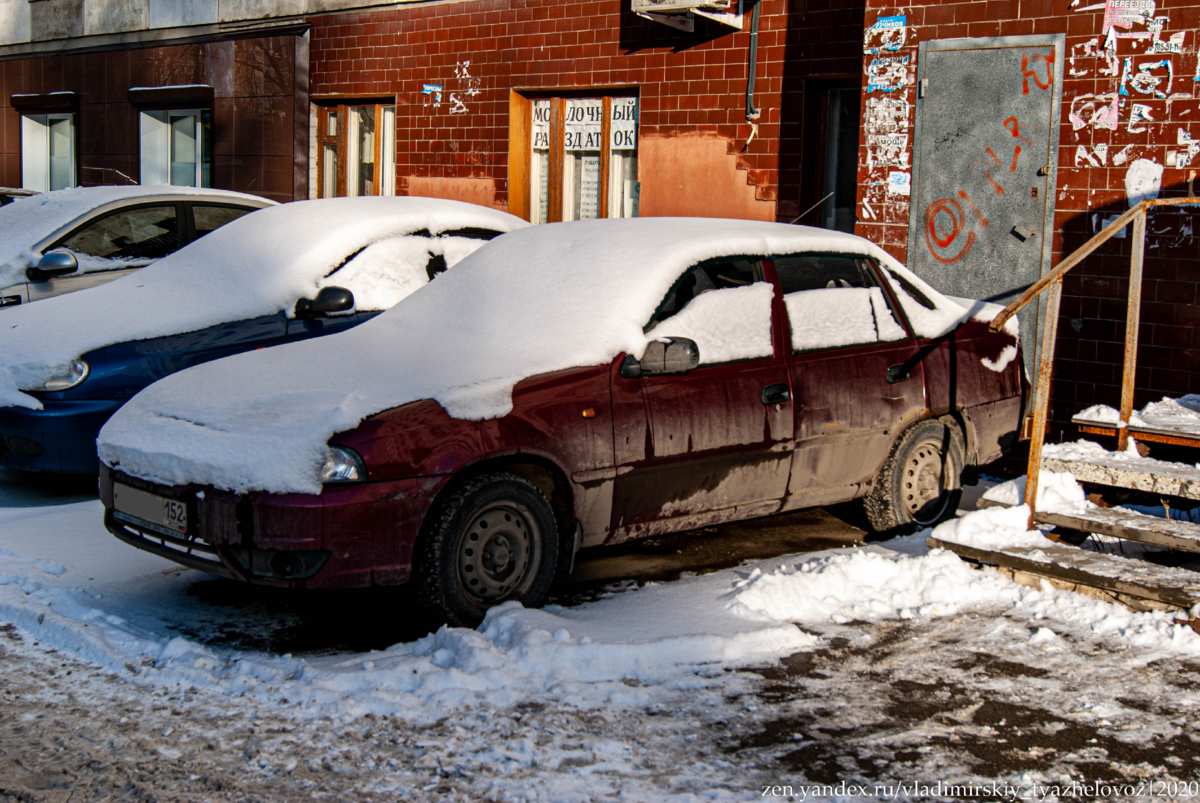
column 281, row 274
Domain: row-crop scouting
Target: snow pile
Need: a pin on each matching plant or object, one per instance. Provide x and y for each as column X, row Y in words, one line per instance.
column 826, row 318
column 992, row 528
column 1058, row 492
column 627, row 650
column 727, row 325
column 1180, row 415
column 259, row 264
column 868, row 586
column 1103, row 414
column 542, row 299
column 24, row 225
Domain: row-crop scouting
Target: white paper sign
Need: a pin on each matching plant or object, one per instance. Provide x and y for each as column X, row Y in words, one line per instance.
column 623, row 126
column 541, row 124
column 584, row 124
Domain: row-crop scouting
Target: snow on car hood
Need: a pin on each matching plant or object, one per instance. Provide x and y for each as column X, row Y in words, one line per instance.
column 23, row 225
column 259, row 264
column 541, row 299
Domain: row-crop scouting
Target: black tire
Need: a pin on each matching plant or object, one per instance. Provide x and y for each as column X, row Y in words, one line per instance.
column 920, row 484
column 494, row 539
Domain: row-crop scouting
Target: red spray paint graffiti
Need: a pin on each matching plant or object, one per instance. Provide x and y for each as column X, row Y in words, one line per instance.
column 944, row 222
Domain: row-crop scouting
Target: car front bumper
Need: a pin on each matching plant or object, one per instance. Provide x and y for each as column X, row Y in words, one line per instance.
column 61, row 437
column 347, row 536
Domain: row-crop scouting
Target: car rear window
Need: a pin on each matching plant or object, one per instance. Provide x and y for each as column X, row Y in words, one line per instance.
column 210, row 218
column 818, row 271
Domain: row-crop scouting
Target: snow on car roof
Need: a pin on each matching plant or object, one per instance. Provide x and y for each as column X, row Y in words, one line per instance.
column 537, row 300
column 259, row 264
column 24, row 225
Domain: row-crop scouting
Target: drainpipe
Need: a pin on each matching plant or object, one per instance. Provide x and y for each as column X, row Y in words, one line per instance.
column 752, row 112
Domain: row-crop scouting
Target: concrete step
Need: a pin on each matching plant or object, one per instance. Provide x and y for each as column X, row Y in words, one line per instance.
column 1138, row 584
column 1129, row 525
column 1118, row 470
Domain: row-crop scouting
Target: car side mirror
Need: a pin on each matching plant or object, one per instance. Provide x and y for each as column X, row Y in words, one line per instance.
column 329, row 301
column 671, row 355
column 54, row 263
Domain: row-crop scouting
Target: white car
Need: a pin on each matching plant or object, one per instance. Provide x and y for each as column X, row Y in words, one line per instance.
column 59, row 242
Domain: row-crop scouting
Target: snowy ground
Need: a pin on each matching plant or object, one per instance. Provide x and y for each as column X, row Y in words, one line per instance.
column 128, row 678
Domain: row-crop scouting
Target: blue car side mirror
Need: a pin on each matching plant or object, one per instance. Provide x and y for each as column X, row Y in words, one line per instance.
column 329, row 300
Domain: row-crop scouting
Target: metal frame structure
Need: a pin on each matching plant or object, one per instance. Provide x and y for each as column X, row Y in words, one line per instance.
column 1049, row 330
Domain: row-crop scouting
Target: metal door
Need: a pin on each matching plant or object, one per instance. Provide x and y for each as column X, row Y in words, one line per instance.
column 985, row 153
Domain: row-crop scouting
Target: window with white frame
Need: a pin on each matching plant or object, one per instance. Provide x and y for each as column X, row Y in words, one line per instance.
column 175, row 147
column 356, row 152
column 48, row 151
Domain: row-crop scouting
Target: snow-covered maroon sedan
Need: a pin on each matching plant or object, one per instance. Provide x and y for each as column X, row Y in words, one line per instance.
column 564, row 387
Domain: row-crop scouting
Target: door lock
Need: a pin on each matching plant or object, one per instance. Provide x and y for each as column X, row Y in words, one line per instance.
column 898, row 373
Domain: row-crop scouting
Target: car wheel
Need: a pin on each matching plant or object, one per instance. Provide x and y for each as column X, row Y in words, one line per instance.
column 920, row 484
column 495, row 539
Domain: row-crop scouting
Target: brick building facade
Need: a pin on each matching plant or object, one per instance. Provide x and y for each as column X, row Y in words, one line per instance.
column 694, row 149
column 1128, row 112
column 246, row 86
column 562, row 110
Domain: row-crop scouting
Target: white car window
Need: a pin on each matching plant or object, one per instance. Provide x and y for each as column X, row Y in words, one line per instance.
column 832, row 300
column 724, row 306
column 840, row 316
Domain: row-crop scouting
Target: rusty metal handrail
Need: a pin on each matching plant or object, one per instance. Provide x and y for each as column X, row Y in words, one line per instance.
column 1053, row 281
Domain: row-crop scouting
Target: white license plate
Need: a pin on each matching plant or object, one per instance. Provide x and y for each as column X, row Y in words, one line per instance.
column 139, row 507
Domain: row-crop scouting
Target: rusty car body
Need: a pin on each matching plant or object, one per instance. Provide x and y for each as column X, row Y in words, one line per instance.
column 641, row 445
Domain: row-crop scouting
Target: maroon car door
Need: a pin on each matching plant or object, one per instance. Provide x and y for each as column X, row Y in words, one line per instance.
column 855, row 373
column 713, row 443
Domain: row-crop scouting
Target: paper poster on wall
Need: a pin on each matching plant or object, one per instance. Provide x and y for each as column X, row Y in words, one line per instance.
column 1127, row 13
column 887, row 73
column 589, row 187
column 888, row 33
column 887, row 150
column 623, row 125
column 541, row 124
column 899, row 183
column 584, row 124
column 887, row 114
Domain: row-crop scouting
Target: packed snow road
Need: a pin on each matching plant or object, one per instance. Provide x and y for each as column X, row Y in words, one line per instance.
column 859, row 670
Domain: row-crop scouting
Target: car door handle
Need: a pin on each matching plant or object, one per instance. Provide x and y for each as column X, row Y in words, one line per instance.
column 898, row 373
column 776, row 394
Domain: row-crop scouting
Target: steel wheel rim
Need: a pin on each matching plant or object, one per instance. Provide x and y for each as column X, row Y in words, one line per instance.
column 499, row 553
column 923, row 490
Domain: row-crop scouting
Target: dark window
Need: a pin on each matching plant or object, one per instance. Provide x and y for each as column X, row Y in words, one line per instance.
column 912, row 290
column 819, row 271
column 716, row 274
column 210, row 218
column 143, row 233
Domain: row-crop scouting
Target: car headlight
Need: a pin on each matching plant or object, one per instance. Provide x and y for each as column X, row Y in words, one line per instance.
column 65, row 377
column 343, row 465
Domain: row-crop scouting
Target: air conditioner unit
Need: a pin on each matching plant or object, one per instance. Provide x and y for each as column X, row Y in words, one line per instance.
column 682, row 14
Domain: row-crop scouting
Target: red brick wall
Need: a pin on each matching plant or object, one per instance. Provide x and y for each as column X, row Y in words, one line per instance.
column 253, row 110
column 1090, row 344
column 690, row 84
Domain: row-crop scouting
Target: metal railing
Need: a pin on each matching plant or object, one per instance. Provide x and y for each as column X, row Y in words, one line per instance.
column 1049, row 332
